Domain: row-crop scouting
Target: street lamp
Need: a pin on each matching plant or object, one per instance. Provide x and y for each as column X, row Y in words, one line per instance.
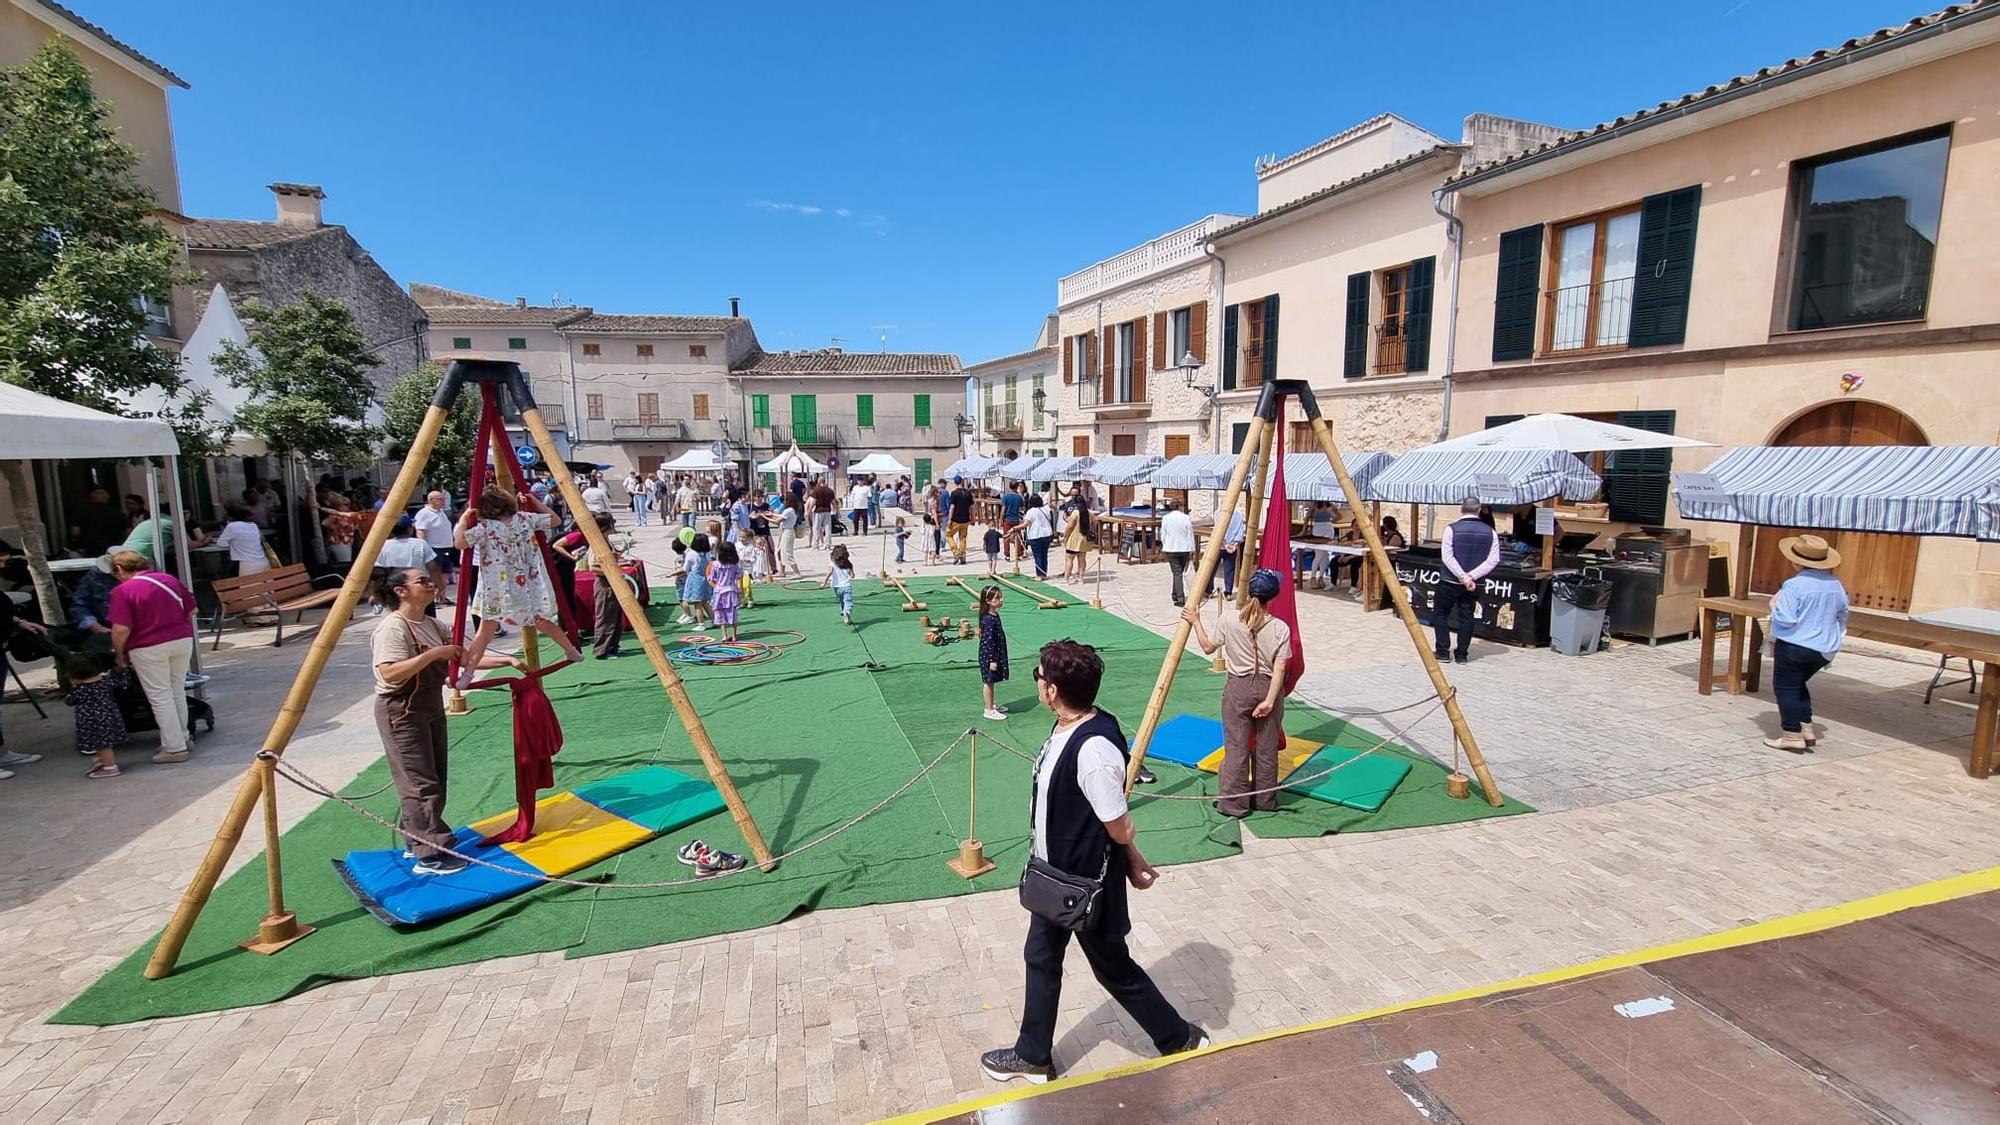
column 1187, row 367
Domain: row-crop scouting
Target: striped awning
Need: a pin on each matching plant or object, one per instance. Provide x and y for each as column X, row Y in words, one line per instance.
column 1309, row 477
column 1909, row 490
column 1125, row 469
column 1498, row 477
column 1061, row 468
column 1017, row 469
column 1195, row 470
column 972, row 467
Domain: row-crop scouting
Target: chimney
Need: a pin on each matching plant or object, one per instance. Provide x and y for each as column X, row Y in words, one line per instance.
column 735, row 307
column 520, row 302
column 298, row 205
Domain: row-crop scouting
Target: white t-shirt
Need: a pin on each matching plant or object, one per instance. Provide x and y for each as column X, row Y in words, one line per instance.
column 858, row 499
column 1177, row 533
column 596, row 499
column 839, row 579
column 434, row 526
column 1100, row 773
column 244, row 541
column 684, row 499
column 404, row 553
column 1035, row 525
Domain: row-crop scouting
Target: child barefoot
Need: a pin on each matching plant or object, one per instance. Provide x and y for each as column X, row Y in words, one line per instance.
column 695, row 588
column 992, row 649
column 840, row 575
column 725, row 575
column 100, row 727
column 513, row 584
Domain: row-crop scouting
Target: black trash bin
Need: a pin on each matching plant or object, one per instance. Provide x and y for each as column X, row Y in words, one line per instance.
column 1582, row 600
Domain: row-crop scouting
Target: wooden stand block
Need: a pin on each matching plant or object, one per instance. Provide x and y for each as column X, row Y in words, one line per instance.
column 1457, row 786
column 971, row 861
column 276, row 932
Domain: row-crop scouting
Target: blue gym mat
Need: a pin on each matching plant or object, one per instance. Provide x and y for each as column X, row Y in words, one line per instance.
column 1185, row 740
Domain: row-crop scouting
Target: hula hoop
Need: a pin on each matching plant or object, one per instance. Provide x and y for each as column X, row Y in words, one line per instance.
column 798, row 584
column 766, row 633
column 725, row 653
column 696, row 639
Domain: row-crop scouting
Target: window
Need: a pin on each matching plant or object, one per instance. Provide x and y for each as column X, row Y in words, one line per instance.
column 864, row 411
column 1864, row 232
column 1080, row 367
column 1039, row 397
column 1592, row 264
column 697, row 351
column 593, row 349
column 1179, row 324
column 649, row 406
column 1177, row 445
column 1010, row 417
column 593, row 407
column 645, row 351
column 1239, row 432
column 462, row 343
column 1122, row 377
column 1250, row 344
column 923, row 410
column 805, row 419
column 760, row 411
column 517, row 343
column 992, row 405
column 1394, row 285
column 923, row 467
column 700, row 410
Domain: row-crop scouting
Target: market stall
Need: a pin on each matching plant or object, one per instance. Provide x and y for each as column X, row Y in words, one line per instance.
column 1130, row 530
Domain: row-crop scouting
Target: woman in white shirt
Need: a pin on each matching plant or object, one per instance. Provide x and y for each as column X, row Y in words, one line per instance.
column 1037, row 530
column 244, row 541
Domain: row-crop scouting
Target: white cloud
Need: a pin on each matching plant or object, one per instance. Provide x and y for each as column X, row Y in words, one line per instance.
column 876, row 223
column 843, row 212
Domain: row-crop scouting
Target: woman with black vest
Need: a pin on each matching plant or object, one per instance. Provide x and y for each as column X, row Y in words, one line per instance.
column 1083, row 829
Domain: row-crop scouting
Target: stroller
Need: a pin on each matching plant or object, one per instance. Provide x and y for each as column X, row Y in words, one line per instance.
column 138, row 713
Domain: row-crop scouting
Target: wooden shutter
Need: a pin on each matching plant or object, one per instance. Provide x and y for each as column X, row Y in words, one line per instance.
column 1666, row 267
column 1270, row 337
column 1229, row 348
column 1069, row 360
column 1089, row 357
column 1159, row 342
column 1079, row 445
column 1197, row 332
column 700, row 405
column 1107, row 366
column 1176, row 445
column 1354, row 358
column 1139, row 357
column 1635, row 480
column 1517, row 287
column 1417, row 315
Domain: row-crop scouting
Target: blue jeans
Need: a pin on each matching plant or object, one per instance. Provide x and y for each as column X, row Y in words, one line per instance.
column 1228, row 574
column 1040, row 549
column 1791, row 666
column 642, row 506
column 900, row 540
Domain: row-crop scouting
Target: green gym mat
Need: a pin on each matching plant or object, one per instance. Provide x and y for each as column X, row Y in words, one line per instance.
column 813, row 740
column 1355, row 781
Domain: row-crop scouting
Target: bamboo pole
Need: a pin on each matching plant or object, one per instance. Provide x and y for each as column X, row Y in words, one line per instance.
column 1253, row 520
column 607, row 565
column 1387, row 570
column 293, row 711
column 1041, row 601
column 1210, row 556
column 1097, row 591
column 274, row 867
column 910, row 602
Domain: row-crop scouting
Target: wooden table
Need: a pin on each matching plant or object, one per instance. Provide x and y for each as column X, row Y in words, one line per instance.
column 1747, row 614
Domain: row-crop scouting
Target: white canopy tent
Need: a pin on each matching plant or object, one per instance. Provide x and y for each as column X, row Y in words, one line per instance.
column 880, row 464
column 696, row 461
column 1565, row 432
column 793, row 460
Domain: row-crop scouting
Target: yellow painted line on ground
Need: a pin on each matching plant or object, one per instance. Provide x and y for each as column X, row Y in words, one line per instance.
column 1792, row 925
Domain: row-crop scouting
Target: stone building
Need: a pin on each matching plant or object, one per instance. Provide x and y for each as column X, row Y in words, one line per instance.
column 1017, row 398
column 278, row 261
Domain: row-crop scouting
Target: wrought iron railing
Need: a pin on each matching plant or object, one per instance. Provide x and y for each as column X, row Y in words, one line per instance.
column 1597, row 315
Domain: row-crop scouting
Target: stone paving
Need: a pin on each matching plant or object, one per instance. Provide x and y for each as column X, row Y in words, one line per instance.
column 1663, row 818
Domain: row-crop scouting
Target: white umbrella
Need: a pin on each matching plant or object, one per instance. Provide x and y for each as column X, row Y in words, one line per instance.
column 879, row 463
column 1565, row 432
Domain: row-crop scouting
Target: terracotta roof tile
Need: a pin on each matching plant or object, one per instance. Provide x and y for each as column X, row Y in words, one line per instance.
column 830, row 362
column 244, row 234
column 646, row 323
column 123, row 47
column 527, row 316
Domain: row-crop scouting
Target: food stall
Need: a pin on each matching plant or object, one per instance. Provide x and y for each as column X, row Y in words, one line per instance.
column 1513, row 600
column 1132, row 531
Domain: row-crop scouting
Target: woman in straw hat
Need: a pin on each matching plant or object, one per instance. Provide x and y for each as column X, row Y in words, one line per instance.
column 1808, row 624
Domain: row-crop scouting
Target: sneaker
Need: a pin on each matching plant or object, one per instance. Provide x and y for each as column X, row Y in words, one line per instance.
column 98, row 773
column 1459, row 658
column 194, row 679
column 1004, row 1064
column 1196, row 1040
column 684, row 619
column 170, row 757
column 691, row 852
column 1146, row 776
column 442, row 865
column 716, row 862
column 995, row 714
column 5, row 774
column 1791, row 741
column 16, row 758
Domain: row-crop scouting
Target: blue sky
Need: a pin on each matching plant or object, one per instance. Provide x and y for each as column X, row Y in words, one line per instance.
column 842, row 167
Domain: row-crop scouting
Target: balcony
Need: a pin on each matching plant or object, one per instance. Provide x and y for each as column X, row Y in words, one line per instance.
column 554, row 416
column 648, row 429
column 805, row 435
column 1169, row 251
column 1004, row 422
column 1391, row 348
column 1593, row 317
column 1090, row 396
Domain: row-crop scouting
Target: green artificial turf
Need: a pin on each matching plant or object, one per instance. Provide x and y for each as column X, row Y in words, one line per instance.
column 813, row 740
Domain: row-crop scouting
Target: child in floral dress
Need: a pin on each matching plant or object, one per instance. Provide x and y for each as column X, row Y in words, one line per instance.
column 726, row 576
column 514, row 585
column 100, row 726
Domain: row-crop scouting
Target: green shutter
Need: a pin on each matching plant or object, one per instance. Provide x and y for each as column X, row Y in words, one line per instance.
column 923, row 463
column 1666, row 267
column 923, row 411
column 1517, row 286
column 1229, row 348
column 1354, row 358
column 805, row 419
column 864, row 411
column 1239, row 432
column 1417, row 315
column 1636, row 480
column 760, row 411
column 1270, row 338
column 517, row 343
column 462, row 343
column 771, row 484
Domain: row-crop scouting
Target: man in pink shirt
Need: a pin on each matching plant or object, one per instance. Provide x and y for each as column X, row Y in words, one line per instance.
column 152, row 633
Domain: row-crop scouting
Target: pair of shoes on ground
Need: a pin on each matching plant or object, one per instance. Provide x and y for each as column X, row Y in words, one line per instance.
column 1795, row 741
column 709, row 862
column 996, row 714
column 1454, row 657
column 1004, row 1064
column 171, row 757
column 16, row 758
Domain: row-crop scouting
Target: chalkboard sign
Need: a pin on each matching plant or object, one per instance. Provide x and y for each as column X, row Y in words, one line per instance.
column 1511, row 607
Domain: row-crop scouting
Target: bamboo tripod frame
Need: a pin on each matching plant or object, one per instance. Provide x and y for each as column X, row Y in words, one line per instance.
column 292, row 712
column 1255, row 450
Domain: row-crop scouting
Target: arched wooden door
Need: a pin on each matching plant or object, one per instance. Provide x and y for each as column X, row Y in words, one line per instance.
column 1879, row 570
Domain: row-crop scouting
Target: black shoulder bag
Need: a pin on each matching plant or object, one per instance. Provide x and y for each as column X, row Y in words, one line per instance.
column 1074, row 902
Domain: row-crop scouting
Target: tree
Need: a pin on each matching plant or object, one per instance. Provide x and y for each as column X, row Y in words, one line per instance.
column 403, row 410
column 306, row 371
column 79, row 248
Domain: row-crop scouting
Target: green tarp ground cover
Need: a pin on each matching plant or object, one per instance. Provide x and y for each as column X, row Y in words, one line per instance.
column 813, row 740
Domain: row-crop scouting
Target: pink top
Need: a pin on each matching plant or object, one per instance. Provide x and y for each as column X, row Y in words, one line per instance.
column 155, row 606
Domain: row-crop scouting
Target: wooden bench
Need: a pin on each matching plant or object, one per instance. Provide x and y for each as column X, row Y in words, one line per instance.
column 274, row 593
column 1746, row 616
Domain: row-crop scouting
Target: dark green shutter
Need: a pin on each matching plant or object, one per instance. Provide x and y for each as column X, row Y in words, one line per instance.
column 760, row 411
column 1493, row 420
column 864, row 411
column 805, row 419
column 923, row 410
column 1229, row 348
column 462, row 343
column 1239, row 432
column 1354, row 360
column 1270, row 337
column 1636, row 480
column 1417, row 318
column 1666, row 267
column 1517, row 286
column 923, row 465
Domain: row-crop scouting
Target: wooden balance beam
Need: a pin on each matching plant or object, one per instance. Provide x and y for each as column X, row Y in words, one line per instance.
column 910, row 602
column 1042, row 602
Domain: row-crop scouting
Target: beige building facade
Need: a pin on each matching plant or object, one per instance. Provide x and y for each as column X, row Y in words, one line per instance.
column 1008, row 419
column 1805, row 256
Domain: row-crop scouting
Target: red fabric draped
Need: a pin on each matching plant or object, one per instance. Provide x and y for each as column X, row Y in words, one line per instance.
column 538, row 737
column 1274, row 552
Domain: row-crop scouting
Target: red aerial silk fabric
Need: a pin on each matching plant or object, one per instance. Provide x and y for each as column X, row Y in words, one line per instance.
column 1274, row 552
column 538, row 737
